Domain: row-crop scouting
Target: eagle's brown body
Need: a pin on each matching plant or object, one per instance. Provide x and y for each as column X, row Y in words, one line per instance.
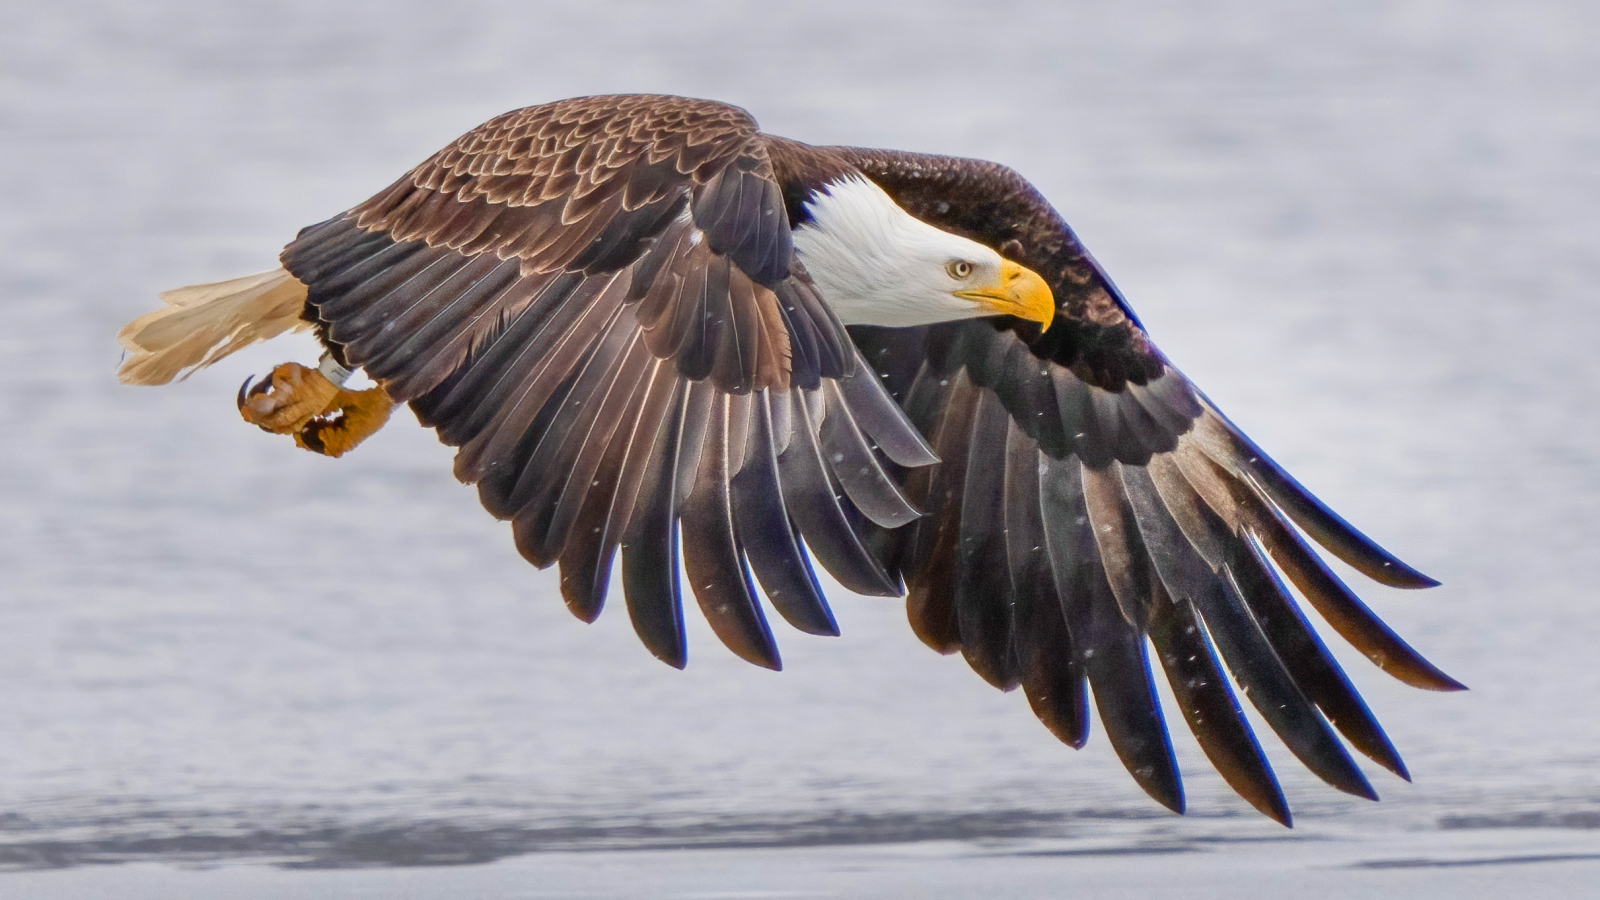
column 599, row 301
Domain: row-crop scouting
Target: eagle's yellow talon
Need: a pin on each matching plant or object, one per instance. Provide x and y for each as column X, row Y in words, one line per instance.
column 322, row 417
column 292, row 396
column 351, row 418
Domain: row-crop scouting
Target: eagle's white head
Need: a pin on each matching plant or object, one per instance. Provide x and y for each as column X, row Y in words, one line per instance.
column 876, row 264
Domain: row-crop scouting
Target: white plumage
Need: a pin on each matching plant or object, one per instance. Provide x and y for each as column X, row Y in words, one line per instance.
column 876, row 264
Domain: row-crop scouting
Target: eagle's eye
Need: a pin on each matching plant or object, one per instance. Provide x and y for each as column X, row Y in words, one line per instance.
column 959, row 269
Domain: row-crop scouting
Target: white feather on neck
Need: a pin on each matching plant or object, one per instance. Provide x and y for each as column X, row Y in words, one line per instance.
column 876, row 264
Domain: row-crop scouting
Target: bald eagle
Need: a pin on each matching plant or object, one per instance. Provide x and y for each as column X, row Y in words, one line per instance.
column 652, row 329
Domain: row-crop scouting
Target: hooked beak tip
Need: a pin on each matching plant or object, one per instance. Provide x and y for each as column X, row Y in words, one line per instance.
column 1028, row 294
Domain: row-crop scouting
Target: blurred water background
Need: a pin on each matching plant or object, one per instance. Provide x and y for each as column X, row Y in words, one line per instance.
column 1367, row 229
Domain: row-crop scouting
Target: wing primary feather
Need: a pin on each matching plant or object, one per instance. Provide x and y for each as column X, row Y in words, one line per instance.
column 881, row 419
column 1205, row 532
column 712, row 560
column 469, row 339
column 815, row 506
column 691, row 441
column 1323, row 524
column 558, row 462
column 1309, row 662
column 1124, row 694
column 496, row 487
column 1052, row 680
column 1117, row 535
column 650, row 547
column 663, row 392
column 586, row 558
column 781, row 406
column 1345, row 611
column 386, row 265
column 943, row 407
column 741, row 423
column 776, row 555
column 475, row 398
column 322, row 248
column 520, row 424
column 1079, row 423
column 1246, row 651
column 527, row 381
column 857, row 467
column 983, row 590
column 425, row 327
column 1051, row 666
column 408, row 357
column 1029, row 395
column 1236, row 555
column 1114, row 657
column 1209, row 706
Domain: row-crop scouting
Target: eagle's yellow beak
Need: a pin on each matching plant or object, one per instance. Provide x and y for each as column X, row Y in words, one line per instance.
column 1020, row 292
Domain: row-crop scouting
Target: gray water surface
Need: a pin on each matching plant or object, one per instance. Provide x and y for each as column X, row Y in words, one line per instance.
column 1367, row 230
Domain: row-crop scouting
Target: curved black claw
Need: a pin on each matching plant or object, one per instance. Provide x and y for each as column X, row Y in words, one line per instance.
column 246, row 391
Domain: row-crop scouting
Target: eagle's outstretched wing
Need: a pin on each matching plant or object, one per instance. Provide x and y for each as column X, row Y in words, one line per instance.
column 597, row 301
column 1090, row 499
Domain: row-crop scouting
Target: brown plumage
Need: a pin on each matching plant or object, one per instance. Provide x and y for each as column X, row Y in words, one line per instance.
column 599, row 302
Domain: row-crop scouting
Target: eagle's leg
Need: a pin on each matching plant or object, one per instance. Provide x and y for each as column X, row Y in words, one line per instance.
column 322, row 416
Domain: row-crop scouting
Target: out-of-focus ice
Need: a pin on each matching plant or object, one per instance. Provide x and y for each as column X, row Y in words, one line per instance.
column 1368, row 232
